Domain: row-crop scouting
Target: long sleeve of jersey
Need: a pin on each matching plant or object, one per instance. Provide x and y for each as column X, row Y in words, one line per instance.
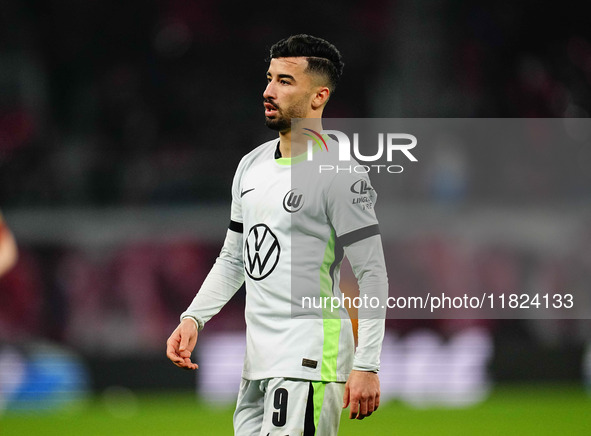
column 224, row 279
column 367, row 261
column 227, row 274
column 350, row 208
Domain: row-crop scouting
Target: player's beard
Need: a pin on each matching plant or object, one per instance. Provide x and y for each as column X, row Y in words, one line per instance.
column 282, row 121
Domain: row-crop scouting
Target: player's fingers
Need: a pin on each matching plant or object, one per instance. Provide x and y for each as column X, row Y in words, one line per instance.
column 172, row 350
column 188, row 335
column 184, row 342
column 353, row 408
column 377, row 402
column 346, row 397
column 370, row 405
column 178, row 361
column 179, row 358
column 184, row 363
column 187, row 364
column 173, row 357
column 362, row 409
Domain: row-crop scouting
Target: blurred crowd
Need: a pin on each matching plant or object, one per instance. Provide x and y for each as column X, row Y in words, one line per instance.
column 143, row 103
column 115, row 301
column 154, row 102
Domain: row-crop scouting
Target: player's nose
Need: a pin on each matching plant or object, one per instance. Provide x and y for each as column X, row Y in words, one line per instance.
column 269, row 92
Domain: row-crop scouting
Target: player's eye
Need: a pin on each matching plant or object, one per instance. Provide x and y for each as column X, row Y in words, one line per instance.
column 284, row 82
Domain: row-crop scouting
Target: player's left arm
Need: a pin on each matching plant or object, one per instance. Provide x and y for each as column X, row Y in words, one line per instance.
column 350, row 209
column 8, row 249
column 362, row 391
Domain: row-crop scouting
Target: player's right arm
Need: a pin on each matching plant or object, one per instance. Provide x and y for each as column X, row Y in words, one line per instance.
column 224, row 279
column 8, row 249
column 180, row 344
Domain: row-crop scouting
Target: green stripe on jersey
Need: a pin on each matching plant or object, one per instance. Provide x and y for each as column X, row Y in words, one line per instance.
column 331, row 321
column 288, row 161
column 318, row 398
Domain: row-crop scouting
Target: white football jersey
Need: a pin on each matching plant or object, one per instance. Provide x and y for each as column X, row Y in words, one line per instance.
column 295, row 224
column 289, row 228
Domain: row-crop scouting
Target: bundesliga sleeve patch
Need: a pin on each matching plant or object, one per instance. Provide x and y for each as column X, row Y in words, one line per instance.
column 364, row 195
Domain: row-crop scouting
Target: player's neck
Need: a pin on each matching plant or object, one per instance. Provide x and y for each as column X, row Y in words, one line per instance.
column 285, row 143
column 293, row 143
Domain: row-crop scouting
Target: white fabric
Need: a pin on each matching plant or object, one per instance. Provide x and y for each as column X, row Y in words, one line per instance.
column 261, row 410
column 280, row 344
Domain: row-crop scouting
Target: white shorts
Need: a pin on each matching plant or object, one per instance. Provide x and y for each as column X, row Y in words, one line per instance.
column 280, row 407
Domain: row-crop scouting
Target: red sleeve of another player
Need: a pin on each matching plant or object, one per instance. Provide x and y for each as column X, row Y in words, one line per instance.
column 3, row 228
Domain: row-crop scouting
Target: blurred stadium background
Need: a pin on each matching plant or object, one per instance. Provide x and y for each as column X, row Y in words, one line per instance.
column 121, row 124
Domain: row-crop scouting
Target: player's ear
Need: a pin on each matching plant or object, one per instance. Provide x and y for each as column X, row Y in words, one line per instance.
column 321, row 97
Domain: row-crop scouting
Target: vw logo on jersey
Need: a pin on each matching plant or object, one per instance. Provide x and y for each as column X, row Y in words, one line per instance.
column 261, row 252
column 293, row 201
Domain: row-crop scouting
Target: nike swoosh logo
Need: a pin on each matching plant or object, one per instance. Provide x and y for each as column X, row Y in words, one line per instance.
column 243, row 193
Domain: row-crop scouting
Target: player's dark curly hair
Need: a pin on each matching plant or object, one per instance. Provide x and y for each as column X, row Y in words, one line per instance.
column 323, row 57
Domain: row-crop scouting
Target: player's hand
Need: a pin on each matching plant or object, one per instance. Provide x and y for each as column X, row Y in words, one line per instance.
column 180, row 344
column 362, row 393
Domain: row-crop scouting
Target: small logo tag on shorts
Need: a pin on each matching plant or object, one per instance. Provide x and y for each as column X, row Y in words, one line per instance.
column 309, row 363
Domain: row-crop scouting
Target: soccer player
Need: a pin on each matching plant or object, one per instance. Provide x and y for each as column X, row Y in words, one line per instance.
column 8, row 249
column 299, row 372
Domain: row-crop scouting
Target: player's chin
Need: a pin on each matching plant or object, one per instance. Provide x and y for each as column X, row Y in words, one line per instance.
column 272, row 123
column 278, row 124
